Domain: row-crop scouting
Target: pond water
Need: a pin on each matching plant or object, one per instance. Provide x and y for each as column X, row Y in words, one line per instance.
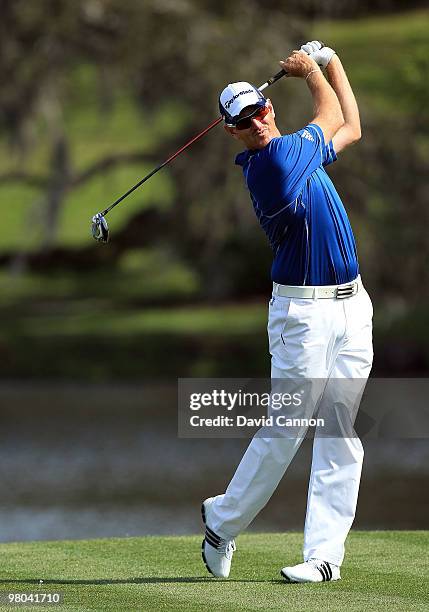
column 86, row 461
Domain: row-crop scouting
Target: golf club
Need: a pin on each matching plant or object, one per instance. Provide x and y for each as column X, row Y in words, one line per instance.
column 100, row 229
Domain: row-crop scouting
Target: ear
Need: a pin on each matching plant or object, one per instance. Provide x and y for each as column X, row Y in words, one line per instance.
column 271, row 107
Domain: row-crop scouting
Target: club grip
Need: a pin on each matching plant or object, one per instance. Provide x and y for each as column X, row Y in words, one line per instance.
column 279, row 75
column 276, row 77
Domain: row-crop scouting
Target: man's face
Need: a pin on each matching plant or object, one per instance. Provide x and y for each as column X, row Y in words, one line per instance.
column 261, row 130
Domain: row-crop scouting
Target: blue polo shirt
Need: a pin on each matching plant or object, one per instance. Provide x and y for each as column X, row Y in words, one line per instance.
column 300, row 210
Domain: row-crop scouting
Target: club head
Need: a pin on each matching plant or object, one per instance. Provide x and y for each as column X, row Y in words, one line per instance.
column 100, row 229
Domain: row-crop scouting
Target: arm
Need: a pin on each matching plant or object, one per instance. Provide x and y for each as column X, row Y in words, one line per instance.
column 325, row 57
column 327, row 112
column 350, row 131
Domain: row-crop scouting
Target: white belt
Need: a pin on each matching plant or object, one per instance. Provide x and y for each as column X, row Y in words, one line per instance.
column 340, row 292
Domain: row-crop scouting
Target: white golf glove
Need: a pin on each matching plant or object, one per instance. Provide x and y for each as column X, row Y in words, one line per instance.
column 321, row 55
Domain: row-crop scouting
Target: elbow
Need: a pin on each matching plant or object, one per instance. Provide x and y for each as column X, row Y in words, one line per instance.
column 355, row 135
column 351, row 134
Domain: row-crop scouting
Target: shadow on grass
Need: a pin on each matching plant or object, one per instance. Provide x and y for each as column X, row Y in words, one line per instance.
column 143, row 580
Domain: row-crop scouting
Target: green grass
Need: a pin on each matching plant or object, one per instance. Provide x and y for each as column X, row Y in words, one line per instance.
column 132, row 279
column 231, row 320
column 383, row 571
column 96, row 338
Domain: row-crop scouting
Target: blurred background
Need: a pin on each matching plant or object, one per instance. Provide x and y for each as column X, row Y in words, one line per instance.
column 94, row 94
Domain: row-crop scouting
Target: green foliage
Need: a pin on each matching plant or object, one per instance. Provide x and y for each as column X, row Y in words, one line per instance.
column 74, row 227
column 96, row 94
column 387, row 58
column 19, row 217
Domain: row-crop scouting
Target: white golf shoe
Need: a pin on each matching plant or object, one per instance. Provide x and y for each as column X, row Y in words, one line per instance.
column 216, row 552
column 313, row 570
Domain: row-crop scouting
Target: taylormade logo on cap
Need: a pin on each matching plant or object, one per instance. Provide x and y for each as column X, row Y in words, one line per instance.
column 237, row 96
column 234, row 97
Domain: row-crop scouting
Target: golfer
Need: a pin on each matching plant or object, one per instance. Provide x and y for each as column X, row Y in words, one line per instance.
column 320, row 316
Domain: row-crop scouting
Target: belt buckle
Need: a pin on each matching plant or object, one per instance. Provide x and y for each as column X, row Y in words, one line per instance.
column 346, row 291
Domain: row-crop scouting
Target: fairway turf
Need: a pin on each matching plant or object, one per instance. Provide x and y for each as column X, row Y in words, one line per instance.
column 383, row 570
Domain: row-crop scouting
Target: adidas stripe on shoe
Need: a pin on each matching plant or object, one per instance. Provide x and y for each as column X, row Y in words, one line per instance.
column 216, row 551
column 313, row 570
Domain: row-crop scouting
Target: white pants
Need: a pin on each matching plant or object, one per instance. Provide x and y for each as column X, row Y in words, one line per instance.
column 309, row 338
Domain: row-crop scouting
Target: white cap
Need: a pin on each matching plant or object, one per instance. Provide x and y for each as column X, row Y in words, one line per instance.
column 237, row 96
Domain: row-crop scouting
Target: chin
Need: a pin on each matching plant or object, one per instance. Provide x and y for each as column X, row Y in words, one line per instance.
column 261, row 141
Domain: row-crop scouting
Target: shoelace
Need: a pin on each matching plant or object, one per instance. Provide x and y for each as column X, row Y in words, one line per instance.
column 227, row 548
column 223, row 547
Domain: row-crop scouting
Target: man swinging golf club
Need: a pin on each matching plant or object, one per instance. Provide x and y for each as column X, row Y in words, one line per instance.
column 320, row 316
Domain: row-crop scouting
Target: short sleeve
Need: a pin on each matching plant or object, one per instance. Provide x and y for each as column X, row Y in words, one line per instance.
column 329, row 155
column 296, row 156
column 328, row 152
